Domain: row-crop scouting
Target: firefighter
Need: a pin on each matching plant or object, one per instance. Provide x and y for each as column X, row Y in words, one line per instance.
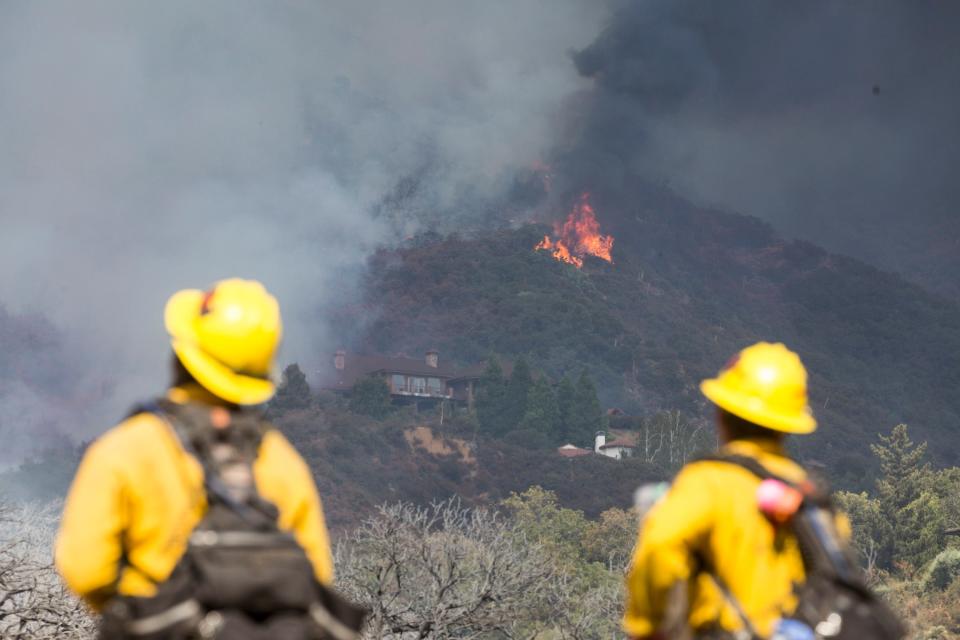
column 141, row 489
column 707, row 531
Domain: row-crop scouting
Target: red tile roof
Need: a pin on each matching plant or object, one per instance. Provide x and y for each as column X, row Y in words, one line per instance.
column 571, row 451
column 619, row 442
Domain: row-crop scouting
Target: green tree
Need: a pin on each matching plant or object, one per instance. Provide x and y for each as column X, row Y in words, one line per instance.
column 491, row 399
column 907, row 501
column 902, row 468
column 943, row 570
column 587, row 603
column 370, row 397
column 918, row 531
column 872, row 534
column 517, row 391
column 610, row 539
column 585, row 417
column 565, row 393
column 293, row 392
column 537, row 514
column 946, row 483
column 542, row 414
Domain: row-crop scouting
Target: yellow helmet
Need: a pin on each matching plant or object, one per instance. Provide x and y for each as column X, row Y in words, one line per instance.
column 226, row 338
column 765, row 384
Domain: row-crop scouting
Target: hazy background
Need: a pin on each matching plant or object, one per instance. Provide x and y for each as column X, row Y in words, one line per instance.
column 146, row 147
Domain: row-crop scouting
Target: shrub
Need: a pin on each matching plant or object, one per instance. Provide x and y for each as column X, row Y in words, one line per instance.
column 942, row 570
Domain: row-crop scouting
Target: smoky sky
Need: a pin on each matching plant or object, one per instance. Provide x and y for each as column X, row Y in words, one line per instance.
column 147, row 147
column 838, row 122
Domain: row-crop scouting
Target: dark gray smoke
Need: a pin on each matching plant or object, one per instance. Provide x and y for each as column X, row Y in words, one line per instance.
column 146, row 147
column 836, row 121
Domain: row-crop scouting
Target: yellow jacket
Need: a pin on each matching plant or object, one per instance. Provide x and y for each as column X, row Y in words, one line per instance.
column 710, row 513
column 137, row 492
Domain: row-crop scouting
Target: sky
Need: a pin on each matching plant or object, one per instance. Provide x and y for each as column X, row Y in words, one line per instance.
column 148, row 147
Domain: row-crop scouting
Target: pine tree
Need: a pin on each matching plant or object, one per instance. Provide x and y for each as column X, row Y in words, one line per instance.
column 565, row 393
column 491, row 400
column 542, row 414
column 901, row 466
column 370, row 397
column 515, row 397
column 293, row 392
column 586, row 417
column 906, row 502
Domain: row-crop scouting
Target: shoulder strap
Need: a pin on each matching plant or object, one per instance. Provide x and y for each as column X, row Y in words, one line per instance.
column 746, row 462
column 822, row 548
column 749, row 631
column 215, row 488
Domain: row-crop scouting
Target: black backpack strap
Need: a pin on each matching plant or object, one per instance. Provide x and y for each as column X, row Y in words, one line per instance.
column 753, row 466
column 746, row 462
column 821, row 548
column 171, row 413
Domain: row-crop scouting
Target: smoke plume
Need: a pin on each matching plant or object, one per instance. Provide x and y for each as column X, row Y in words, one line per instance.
column 153, row 146
column 835, row 121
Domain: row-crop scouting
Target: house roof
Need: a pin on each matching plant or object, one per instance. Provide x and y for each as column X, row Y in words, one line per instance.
column 357, row 366
column 619, row 442
column 573, row 451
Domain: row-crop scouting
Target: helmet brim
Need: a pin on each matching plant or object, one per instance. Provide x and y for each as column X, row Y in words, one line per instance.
column 753, row 410
column 179, row 315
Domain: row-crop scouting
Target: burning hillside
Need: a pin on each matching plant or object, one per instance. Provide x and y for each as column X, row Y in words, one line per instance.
column 578, row 236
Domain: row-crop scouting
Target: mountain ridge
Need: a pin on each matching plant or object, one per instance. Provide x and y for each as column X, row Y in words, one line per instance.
column 688, row 287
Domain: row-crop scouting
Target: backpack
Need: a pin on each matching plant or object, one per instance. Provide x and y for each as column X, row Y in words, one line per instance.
column 834, row 602
column 241, row 577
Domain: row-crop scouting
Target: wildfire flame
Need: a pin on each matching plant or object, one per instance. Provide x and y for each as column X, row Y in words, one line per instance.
column 579, row 236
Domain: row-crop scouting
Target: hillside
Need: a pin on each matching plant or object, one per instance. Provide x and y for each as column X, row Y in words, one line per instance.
column 687, row 288
column 360, row 463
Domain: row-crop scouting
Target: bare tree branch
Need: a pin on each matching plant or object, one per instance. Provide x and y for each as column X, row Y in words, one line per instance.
column 34, row 603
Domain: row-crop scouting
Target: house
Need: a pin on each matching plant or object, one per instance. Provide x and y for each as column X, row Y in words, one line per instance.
column 573, row 451
column 617, row 449
column 410, row 380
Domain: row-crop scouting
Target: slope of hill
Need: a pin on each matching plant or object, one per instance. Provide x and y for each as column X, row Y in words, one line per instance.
column 360, row 463
column 687, row 288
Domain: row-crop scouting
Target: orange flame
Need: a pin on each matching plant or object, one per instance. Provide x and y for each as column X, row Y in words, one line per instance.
column 579, row 236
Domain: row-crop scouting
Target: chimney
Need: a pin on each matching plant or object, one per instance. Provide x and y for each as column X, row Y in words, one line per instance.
column 340, row 359
column 599, row 441
column 433, row 358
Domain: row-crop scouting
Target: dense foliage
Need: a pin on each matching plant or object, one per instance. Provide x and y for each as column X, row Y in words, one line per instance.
column 293, row 392
column 906, row 534
column 370, row 396
column 534, row 411
column 685, row 291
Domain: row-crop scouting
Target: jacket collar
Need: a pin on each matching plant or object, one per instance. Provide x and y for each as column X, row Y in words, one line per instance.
column 756, row 447
column 192, row 392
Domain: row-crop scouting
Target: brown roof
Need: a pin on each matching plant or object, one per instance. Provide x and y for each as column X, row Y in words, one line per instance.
column 619, row 442
column 571, row 451
column 357, row 366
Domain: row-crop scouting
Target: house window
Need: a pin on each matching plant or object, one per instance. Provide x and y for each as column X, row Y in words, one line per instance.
column 399, row 383
column 419, row 385
column 435, row 386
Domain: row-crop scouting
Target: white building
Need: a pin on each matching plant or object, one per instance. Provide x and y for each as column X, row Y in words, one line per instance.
column 616, row 449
